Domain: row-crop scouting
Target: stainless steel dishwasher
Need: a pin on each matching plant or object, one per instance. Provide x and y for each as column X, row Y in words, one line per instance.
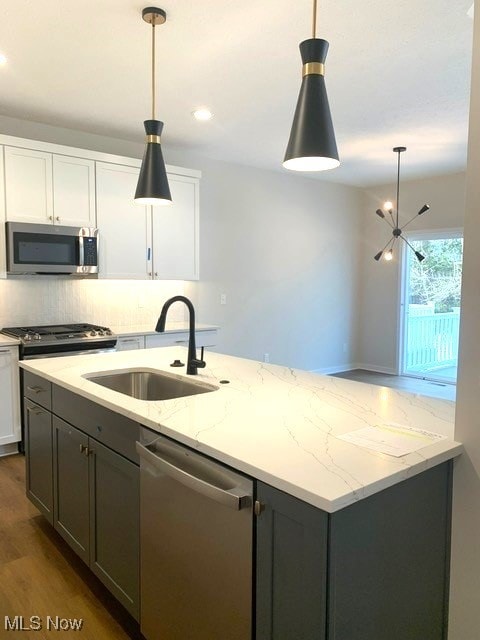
column 196, row 524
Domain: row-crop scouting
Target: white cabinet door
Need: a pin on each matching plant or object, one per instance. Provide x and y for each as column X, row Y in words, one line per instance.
column 175, row 232
column 123, row 225
column 28, row 185
column 73, row 191
column 10, row 430
column 129, row 343
column 3, row 253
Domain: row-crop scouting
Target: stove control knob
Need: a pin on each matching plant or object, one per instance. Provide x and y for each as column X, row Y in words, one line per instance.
column 27, row 337
column 101, row 332
column 37, row 336
column 108, row 332
column 93, row 333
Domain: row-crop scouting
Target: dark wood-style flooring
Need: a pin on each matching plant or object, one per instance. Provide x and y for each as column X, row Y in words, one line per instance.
column 41, row 576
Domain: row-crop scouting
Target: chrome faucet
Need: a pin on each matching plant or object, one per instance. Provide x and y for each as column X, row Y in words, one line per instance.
column 192, row 362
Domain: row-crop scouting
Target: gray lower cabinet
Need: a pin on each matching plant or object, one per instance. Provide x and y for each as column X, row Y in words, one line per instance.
column 88, row 490
column 97, row 509
column 376, row 570
column 291, row 568
column 39, row 457
column 71, row 491
column 114, row 524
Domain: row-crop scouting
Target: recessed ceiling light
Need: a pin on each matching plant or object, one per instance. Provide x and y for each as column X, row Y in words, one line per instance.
column 3, row 59
column 202, row 114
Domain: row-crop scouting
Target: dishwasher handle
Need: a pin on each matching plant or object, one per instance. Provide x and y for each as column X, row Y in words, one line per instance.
column 235, row 498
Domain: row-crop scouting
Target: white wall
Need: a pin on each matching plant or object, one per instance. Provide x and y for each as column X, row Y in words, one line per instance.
column 465, row 575
column 284, row 248
column 379, row 307
column 70, row 137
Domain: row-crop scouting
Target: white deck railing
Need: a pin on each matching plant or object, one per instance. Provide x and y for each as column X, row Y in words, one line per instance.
column 432, row 340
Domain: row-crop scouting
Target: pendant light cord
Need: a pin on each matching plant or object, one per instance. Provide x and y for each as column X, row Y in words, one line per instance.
column 398, row 187
column 314, row 20
column 153, row 70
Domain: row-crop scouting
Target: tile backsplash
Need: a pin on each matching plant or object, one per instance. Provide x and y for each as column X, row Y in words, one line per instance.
column 54, row 300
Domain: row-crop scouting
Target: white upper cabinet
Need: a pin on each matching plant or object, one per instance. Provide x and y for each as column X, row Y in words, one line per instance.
column 123, row 225
column 45, row 188
column 138, row 242
column 73, row 191
column 3, row 265
column 45, row 184
column 175, row 232
column 28, row 185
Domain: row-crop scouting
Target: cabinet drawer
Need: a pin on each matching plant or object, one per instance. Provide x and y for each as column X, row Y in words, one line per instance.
column 202, row 339
column 130, row 343
column 166, row 340
column 110, row 428
column 37, row 389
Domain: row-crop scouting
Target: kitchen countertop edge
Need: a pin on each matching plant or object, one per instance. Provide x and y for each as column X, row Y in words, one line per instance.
column 413, row 464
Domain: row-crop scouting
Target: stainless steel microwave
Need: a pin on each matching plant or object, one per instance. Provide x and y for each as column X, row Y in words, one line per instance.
column 51, row 249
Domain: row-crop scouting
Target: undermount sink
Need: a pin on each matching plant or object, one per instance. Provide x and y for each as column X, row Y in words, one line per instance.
column 150, row 385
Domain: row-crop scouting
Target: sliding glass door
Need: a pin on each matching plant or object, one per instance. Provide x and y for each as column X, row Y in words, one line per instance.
column 431, row 306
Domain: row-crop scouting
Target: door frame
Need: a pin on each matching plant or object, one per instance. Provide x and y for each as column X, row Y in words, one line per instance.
column 424, row 234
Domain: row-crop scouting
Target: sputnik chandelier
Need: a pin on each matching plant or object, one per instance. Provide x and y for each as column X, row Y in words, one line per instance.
column 393, row 221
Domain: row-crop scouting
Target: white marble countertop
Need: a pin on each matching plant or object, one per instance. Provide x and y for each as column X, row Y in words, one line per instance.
column 146, row 330
column 276, row 424
column 6, row 341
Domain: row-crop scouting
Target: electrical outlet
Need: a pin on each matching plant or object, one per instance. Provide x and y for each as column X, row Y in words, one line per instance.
column 266, row 357
column 223, row 298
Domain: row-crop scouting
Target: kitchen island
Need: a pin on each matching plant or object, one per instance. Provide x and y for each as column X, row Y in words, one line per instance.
column 369, row 528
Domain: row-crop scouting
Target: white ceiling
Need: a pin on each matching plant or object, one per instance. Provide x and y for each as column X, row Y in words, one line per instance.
column 398, row 73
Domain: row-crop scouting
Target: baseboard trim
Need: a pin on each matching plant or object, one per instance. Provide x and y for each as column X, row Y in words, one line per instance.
column 354, row 365
column 8, row 449
column 376, row 368
column 337, row 369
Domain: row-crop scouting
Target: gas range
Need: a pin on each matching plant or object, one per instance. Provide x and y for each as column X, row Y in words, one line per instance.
column 61, row 339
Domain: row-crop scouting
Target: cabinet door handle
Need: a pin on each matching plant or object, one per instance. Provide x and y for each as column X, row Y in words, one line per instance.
column 36, row 410
column 50, row 217
column 258, row 507
column 4, row 351
column 57, row 218
column 150, row 273
column 36, row 389
column 156, row 274
column 85, row 450
column 124, row 341
column 180, row 341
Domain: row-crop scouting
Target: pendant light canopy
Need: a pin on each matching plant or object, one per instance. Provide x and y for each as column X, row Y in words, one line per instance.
column 393, row 220
column 312, row 145
column 152, row 187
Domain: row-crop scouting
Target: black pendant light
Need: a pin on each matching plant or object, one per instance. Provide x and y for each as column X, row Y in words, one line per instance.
column 152, row 187
column 312, row 145
column 393, row 222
